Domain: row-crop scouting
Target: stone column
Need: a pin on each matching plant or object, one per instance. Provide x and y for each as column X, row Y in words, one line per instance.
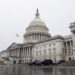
column 26, row 37
column 44, row 36
column 29, row 54
column 18, row 51
column 23, row 51
column 70, row 48
column 39, row 36
column 35, row 36
column 27, row 51
column 32, row 37
column 14, row 52
column 24, row 54
column 66, row 48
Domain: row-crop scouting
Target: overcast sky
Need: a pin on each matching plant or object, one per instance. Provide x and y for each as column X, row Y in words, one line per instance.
column 15, row 16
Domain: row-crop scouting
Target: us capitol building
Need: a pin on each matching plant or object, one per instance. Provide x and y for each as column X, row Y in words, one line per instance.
column 40, row 45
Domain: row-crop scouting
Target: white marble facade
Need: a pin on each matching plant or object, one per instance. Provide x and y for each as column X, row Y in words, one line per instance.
column 49, row 49
column 40, row 45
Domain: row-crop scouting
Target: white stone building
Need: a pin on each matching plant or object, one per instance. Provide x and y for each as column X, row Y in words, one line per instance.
column 4, row 57
column 40, row 45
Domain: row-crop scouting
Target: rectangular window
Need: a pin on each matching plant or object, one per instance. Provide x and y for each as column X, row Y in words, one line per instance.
column 40, row 52
column 44, row 52
column 54, row 49
column 36, row 53
column 49, row 51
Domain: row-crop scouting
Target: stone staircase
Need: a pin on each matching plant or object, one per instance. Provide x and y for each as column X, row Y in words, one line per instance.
column 68, row 63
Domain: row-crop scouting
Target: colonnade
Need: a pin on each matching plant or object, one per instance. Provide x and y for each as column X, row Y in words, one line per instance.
column 36, row 37
column 68, row 47
column 22, row 53
column 25, row 51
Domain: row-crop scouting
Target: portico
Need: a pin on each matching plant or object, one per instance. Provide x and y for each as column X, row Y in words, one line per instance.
column 23, row 53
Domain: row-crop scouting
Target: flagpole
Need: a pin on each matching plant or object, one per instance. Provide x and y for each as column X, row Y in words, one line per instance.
column 17, row 39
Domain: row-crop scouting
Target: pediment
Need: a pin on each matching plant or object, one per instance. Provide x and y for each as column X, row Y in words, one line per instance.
column 13, row 45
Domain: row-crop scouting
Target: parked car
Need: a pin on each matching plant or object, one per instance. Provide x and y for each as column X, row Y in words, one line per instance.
column 47, row 62
column 32, row 63
column 36, row 62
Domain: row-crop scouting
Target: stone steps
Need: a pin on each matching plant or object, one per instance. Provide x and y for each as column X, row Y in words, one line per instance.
column 68, row 63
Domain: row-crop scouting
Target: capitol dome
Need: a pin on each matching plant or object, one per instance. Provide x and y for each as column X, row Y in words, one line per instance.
column 37, row 21
column 36, row 30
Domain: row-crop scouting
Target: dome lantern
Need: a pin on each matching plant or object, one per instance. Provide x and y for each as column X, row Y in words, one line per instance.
column 37, row 13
